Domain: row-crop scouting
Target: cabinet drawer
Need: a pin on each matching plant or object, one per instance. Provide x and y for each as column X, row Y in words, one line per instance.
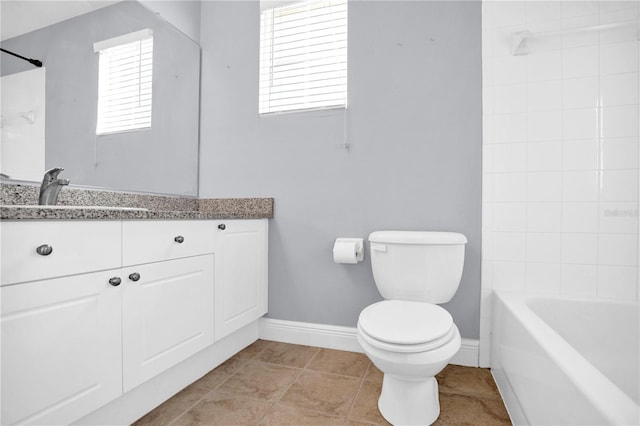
column 77, row 247
column 153, row 241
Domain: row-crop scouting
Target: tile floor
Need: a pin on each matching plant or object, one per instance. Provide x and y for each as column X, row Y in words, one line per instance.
column 272, row 383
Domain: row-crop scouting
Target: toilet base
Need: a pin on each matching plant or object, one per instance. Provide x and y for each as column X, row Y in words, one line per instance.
column 404, row 401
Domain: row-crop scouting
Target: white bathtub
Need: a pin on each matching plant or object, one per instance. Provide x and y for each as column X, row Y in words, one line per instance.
column 567, row 362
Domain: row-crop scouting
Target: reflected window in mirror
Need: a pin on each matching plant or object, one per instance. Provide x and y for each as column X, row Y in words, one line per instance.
column 125, row 73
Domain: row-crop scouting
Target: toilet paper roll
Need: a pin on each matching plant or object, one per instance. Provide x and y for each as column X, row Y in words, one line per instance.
column 348, row 250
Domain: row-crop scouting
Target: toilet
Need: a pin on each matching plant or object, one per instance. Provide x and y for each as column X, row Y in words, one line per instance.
column 408, row 336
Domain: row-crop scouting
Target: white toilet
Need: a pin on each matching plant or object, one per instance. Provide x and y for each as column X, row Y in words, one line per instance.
column 407, row 336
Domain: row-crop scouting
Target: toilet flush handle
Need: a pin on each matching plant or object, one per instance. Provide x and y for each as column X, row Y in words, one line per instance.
column 378, row 247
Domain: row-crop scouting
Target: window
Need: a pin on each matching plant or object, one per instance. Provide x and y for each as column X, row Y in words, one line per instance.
column 303, row 56
column 125, row 82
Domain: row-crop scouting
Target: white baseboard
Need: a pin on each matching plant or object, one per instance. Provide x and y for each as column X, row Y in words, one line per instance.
column 341, row 338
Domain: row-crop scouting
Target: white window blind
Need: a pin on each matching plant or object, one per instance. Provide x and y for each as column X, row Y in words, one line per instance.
column 303, row 56
column 124, row 82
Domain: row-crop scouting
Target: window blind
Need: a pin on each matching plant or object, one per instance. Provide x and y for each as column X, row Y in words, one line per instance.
column 303, row 56
column 124, row 82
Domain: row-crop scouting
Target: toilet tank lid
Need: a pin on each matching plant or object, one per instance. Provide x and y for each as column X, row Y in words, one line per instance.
column 417, row 237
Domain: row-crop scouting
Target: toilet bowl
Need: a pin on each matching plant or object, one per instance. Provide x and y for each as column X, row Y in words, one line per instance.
column 408, row 336
column 410, row 342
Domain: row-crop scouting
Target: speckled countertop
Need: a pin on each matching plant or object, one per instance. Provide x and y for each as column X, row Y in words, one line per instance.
column 19, row 202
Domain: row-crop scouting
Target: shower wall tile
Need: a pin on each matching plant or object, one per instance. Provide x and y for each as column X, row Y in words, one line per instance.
column 579, row 280
column 544, row 95
column 618, row 249
column 543, row 278
column 508, row 276
column 509, row 246
column 580, row 62
column 619, row 185
column 544, row 217
column 544, row 126
column 618, row 218
column 543, row 247
column 580, row 248
column 580, row 93
column 561, row 146
column 580, row 154
column 544, row 156
column 618, row 282
column 580, row 217
column 510, row 158
column 579, row 123
column 509, row 99
column 619, row 153
column 544, row 186
column 544, row 66
column 619, row 121
column 618, row 58
column 580, row 186
column 619, row 89
column 509, row 217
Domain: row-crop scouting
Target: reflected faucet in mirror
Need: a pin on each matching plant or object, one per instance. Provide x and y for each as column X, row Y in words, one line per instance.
column 51, row 187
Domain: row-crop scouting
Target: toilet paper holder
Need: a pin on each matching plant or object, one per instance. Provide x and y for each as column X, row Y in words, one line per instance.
column 357, row 244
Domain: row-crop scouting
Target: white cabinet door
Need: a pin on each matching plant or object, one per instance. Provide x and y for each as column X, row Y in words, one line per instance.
column 167, row 315
column 241, row 274
column 61, row 348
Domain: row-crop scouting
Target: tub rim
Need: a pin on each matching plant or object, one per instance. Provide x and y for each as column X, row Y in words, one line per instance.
column 598, row 389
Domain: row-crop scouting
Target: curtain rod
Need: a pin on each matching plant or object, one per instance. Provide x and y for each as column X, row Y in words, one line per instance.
column 34, row 62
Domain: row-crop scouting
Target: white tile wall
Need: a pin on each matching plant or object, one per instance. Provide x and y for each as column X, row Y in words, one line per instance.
column 561, row 136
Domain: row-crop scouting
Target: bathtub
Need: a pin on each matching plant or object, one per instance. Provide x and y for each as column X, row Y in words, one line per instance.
column 566, row 362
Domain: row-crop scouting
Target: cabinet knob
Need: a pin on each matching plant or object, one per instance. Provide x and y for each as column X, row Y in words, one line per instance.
column 179, row 239
column 134, row 277
column 222, row 227
column 115, row 281
column 44, row 250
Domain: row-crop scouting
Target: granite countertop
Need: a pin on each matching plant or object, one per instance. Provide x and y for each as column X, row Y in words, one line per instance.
column 19, row 202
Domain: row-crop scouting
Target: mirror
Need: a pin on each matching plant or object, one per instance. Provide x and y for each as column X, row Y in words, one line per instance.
column 161, row 159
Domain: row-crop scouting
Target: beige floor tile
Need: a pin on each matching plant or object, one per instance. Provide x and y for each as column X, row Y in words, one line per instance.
column 287, row 354
column 327, row 393
column 281, row 415
column 464, row 410
column 339, row 362
column 215, row 377
column 468, row 381
column 350, row 422
column 253, row 349
column 221, row 409
column 173, row 407
column 373, row 374
column 365, row 407
column 260, row 380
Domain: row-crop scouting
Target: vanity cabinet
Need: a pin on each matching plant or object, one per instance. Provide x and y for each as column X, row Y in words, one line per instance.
column 241, row 274
column 111, row 304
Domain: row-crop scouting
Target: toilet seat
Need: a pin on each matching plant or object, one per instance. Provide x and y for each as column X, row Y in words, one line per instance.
column 406, row 326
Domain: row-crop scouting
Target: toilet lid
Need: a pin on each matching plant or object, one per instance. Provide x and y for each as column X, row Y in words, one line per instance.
column 404, row 322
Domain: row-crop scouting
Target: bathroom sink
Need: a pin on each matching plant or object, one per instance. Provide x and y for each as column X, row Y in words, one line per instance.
column 128, row 209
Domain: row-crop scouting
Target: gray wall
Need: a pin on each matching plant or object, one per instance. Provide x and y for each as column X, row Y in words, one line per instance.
column 163, row 159
column 414, row 129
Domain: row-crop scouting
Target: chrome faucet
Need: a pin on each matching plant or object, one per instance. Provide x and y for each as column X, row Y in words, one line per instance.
column 51, row 187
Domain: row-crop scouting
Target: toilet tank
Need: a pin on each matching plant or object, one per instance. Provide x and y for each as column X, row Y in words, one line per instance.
column 417, row 265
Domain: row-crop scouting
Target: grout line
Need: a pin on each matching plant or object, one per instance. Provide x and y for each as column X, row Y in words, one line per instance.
column 190, row 407
column 362, row 380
